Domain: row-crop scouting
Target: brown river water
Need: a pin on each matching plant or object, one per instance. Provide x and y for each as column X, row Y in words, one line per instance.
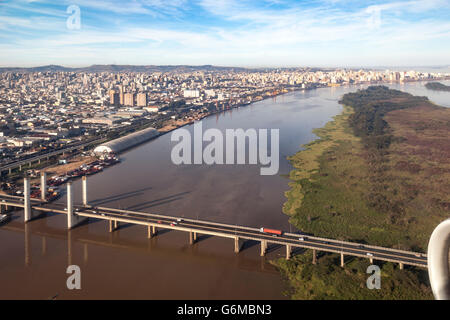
column 126, row 265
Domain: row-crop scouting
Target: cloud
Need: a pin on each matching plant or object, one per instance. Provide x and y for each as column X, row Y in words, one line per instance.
column 231, row 31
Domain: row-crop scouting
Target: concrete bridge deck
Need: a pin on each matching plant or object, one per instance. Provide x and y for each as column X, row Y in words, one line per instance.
column 153, row 222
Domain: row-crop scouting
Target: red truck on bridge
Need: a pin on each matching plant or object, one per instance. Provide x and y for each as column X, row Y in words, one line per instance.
column 271, row 231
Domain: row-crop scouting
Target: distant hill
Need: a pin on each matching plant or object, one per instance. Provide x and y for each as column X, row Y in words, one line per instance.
column 146, row 69
column 123, row 68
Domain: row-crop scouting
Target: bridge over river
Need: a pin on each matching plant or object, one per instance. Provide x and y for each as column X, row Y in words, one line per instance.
column 154, row 222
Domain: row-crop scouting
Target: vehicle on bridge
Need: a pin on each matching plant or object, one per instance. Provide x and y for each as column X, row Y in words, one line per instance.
column 273, row 232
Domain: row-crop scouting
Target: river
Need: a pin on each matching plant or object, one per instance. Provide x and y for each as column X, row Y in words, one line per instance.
column 126, row 265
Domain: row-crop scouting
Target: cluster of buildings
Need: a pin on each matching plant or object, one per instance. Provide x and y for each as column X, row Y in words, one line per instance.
column 41, row 110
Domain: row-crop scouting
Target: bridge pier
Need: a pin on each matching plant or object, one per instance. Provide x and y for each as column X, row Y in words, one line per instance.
column 5, row 208
column 401, row 266
column 10, row 170
column 288, row 251
column 192, row 237
column 70, row 215
column 263, row 247
column 236, row 245
column 342, row 260
column 26, row 201
column 84, row 190
column 371, row 260
column 43, row 185
column 314, row 256
column 149, row 232
column 116, row 224
column 110, row 226
column 72, row 219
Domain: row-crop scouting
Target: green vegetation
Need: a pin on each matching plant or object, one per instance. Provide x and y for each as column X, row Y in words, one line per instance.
column 377, row 174
column 327, row 280
column 437, row 86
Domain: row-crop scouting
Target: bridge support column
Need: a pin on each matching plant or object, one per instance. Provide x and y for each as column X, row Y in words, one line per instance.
column 342, row 260
column 288, row 251
column 20, row 167
column 195, row 236
column 314, row 258
column 371, row 260
column 70, row 215
column 236, row 245
column 43, row 185
column 191, row 238
column 154, row 230
column 149, row 232
column 4, row 208
column 10, row 170
column 84, row 190
column 26, row 201
column 72, row 218
column 29, row 164
column 401, row 266
column 116, row 224
column 263, row 247
column 110, row 226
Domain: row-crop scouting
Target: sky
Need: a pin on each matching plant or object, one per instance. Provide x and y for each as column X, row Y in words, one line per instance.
column 245, row 33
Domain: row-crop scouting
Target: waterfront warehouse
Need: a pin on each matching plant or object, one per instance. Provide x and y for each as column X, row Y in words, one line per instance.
column 128, row 141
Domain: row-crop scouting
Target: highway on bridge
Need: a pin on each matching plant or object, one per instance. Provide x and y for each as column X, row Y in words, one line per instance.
column 290, row 240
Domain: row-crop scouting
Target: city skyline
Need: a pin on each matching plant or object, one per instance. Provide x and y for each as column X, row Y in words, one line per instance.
column 271, row 33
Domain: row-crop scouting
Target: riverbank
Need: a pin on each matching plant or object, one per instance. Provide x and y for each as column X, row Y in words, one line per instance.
column 377, row 175
column 437, row 86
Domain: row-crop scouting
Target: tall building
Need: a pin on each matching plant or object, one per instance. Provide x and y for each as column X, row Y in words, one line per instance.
column 141, row 99
column 191, row 93
column 129, row 99
column 121, row 95
column 113, row 98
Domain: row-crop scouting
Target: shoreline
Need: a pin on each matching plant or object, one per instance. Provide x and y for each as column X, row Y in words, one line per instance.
column 297, row 90
column 336, row 192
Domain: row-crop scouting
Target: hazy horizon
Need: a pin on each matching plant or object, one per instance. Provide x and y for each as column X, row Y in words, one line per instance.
column 437, row 67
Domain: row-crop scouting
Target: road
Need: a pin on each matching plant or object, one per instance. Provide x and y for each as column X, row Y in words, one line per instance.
column 40, row 156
